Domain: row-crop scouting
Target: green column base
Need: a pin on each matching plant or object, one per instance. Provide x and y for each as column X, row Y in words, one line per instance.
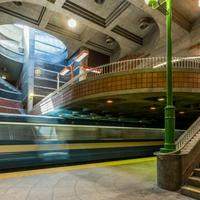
column 168, row 148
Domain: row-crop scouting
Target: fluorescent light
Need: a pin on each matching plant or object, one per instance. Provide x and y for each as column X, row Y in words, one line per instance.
column 65, row 71
column 93, row 69
column 96, row 71
column 81, row 55
column 72, row 23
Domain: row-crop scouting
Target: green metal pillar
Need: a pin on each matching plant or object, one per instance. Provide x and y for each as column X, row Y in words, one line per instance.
column 169, row 144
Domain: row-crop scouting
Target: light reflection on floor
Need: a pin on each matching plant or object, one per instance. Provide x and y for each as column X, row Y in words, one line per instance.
column 121, row 180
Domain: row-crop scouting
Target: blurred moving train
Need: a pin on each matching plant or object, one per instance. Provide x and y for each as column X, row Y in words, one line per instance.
column 33, row 144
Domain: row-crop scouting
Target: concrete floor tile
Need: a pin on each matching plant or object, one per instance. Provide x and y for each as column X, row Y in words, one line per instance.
column 124, row 182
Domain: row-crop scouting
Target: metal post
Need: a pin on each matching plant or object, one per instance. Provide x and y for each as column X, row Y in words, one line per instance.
column 169, row 144
column 72, row 71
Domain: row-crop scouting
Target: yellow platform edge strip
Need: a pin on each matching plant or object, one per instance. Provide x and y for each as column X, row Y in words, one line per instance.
column 73, row 168
column 48, row 147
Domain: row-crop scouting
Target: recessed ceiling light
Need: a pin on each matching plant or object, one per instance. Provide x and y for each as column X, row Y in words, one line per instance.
column 72, row 23
column 109, row 101
column 161, row 99
column 181, row 112
column 152, row 108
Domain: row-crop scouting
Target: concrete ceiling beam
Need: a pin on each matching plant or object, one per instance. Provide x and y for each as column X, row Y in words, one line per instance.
column 87, row 34
column 159, row 18
column 45, row 19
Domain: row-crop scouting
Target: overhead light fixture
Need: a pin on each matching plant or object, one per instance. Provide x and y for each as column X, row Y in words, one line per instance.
column 109, row 101
column 4, row 77
column 181, row 112
column 65, row 71
column 83, row 54
column 72, row 23
column 152, row 108
column 161, row 99
column 96, row 70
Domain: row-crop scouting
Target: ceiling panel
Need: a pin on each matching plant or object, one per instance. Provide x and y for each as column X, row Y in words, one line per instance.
column 61, row 21
column 100, row 38
column 188, row 8
column 28, row 12
column 102, row 10
column 131, row 22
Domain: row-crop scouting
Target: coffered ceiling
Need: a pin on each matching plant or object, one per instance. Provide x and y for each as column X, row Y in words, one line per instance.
column 119, row 19
column 189, row 9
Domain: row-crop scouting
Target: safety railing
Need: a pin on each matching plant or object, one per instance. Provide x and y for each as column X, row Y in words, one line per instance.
column 145, row 64
column 46, row 81
column 153, row 63
column 188, row 135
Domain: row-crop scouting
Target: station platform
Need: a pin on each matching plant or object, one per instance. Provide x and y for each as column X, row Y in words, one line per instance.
column 133, row 179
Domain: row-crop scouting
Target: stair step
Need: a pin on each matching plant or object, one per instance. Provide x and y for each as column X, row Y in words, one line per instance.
column 197, row 172
column 191, row 191
column 194, row 181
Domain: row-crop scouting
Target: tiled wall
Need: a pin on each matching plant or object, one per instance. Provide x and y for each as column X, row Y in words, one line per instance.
column 9, row 103
column 142, row 80
column 7, row 110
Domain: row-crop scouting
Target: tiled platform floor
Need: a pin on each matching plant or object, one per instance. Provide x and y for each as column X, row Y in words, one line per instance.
column 127, row 181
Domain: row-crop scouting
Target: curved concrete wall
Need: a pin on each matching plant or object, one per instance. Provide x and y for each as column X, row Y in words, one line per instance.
column 124, row 83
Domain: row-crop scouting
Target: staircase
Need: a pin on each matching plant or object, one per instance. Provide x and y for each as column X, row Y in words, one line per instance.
column 192, row 187
column 10, row 98
column 188, row 148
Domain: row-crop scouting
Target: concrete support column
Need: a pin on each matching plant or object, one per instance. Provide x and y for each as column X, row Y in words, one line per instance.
column 169, row 171
column 28, row 68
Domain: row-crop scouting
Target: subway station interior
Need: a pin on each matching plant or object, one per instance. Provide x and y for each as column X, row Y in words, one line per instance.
column 99, row 99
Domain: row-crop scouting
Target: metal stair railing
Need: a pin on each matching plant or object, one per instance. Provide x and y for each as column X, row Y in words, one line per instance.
column 9, row 86
column 146, row 64
column 188, row 135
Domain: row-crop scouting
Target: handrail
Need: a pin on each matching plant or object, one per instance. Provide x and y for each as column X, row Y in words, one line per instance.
column 188, row 135
column 8, row 85
column 9, row 91
column 153, row 63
